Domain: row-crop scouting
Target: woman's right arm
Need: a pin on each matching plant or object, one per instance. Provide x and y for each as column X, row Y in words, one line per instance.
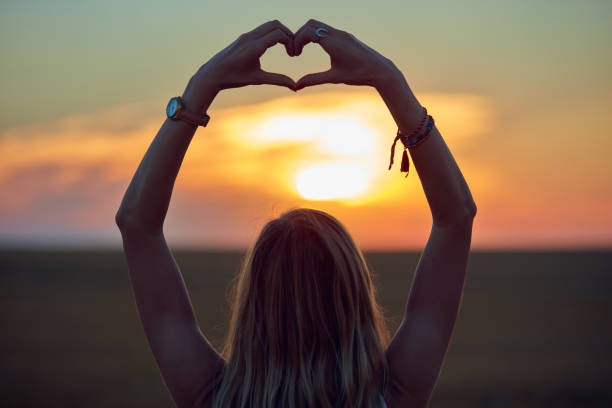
column 418, row 348
column 445, row 188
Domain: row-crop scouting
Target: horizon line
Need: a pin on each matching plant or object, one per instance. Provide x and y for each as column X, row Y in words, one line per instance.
column 189, row 248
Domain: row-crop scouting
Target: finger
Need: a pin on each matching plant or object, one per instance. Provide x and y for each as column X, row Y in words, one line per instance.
column 303, row 36
column 306, row 34
column 272, row 78
column 316, row 23
column 325, row 77
column 267, row 27
column 272, row 38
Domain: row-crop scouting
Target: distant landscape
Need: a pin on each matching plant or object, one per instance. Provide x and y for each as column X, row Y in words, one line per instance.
column 534, row 328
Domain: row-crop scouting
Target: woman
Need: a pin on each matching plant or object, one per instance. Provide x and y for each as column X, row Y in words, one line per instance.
column 306, row 329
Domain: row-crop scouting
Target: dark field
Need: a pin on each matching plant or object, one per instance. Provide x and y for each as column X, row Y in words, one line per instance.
column 534, row 329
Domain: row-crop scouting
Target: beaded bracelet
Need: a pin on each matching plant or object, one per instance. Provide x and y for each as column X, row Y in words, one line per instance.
column 411, row 140
column 413, row 133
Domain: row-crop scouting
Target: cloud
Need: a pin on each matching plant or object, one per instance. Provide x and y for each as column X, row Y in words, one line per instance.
column 62, row 181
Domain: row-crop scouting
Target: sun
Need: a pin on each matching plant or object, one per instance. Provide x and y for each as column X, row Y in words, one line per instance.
column 327, row 152
column 330, row 181
column 343, row 140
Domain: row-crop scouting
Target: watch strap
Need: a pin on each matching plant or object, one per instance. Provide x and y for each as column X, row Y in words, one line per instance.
column 193, row 118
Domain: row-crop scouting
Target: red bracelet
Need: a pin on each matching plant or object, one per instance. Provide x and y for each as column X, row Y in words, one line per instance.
column 400, row 135
column 416, row 130
column 418, row 139
column 411, row 140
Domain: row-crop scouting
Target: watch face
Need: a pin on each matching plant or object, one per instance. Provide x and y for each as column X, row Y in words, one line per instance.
column 172, row 107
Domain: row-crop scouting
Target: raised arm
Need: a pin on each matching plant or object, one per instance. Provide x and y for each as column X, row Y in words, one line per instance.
column 186, row 360
column 417, row 350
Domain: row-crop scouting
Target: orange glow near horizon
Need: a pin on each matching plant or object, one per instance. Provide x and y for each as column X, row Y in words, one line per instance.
column 328, row 151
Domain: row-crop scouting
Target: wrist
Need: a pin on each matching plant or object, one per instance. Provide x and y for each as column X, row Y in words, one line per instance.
column 401, row 102
column 388, row 77
column 199, row 94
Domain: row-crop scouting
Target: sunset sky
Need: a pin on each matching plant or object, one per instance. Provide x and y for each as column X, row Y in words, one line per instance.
column 521, row 91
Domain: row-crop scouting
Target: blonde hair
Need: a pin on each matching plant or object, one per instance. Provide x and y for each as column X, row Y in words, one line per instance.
column 306, row 330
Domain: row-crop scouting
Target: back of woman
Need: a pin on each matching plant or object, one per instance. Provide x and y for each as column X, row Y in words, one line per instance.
column 306, row 330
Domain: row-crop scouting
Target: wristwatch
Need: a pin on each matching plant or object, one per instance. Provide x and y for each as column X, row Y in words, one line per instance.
column 176, row 111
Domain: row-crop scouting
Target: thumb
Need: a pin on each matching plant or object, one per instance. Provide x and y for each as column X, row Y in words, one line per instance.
column 318, row 78
column 271, row 78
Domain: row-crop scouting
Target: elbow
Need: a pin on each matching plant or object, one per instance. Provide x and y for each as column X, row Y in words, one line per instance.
column 122, row 219
column 461, row 216
column 469, row 206
column 472, row 209
column 465, row 218
column 468, row 213
column 131, row 222
column 127, row 220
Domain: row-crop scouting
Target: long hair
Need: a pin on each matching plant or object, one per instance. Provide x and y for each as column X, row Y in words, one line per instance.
column 306, row 330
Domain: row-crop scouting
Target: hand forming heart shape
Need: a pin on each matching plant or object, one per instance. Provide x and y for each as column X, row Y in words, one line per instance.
column 352, row 62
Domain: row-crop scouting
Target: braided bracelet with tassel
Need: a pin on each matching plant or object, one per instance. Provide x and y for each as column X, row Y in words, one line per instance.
column 411, row 140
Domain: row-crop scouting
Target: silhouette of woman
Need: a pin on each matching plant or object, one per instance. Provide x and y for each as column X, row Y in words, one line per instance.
column 306, row 329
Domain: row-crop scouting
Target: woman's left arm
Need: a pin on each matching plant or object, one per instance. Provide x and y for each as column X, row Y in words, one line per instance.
column 185, row 358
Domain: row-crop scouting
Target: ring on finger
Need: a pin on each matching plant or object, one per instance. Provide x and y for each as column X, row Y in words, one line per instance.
column 320, row 33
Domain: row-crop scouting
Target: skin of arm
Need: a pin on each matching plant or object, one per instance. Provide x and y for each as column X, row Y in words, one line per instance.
column 187, row 361
column 418, row 348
